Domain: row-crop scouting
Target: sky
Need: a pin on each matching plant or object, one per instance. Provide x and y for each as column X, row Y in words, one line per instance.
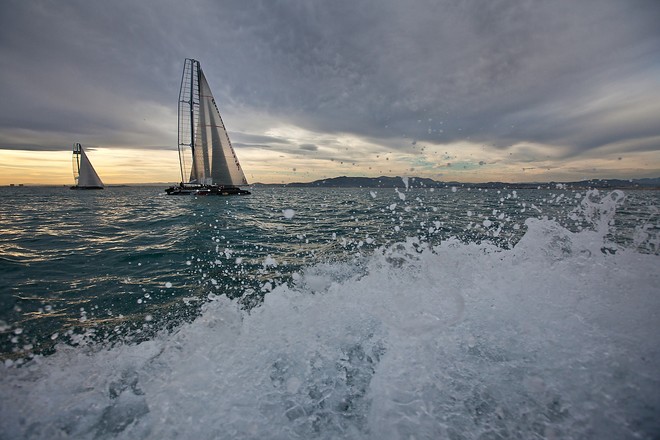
column 454, row 90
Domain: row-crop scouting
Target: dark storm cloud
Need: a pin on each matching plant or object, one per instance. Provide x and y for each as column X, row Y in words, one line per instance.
column 41, row 147
column 281, row 147
column 498, row 72
column 248, row 138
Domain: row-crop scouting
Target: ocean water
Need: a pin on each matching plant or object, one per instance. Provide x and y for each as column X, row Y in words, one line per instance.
column 330, row 313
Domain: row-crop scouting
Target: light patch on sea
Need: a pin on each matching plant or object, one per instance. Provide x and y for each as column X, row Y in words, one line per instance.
column 526, row 329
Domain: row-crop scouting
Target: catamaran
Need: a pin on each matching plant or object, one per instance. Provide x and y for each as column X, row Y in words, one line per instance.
column 205, row 151
column 83, row 172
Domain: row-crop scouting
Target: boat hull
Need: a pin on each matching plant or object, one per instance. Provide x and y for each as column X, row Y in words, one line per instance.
column 86, row 187
column 205, row 190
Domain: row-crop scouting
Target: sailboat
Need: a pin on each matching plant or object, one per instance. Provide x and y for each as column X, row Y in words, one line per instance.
column 83, row 171
column 203, row 141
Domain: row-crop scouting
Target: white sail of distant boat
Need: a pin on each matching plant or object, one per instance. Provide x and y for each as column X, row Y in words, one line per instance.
column 203, row 141
column 83, row 172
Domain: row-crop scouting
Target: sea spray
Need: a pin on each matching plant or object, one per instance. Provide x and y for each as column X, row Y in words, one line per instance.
column 456, row 338
column 552, row 332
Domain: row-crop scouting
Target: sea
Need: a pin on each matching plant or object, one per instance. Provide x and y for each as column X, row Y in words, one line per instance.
column 330, row 313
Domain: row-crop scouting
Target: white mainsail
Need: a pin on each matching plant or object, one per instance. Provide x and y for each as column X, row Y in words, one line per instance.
column 209, row 165
column 214, row 160
column 87, row 176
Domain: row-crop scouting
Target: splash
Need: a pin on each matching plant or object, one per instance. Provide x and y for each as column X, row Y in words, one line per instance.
column 553, row 338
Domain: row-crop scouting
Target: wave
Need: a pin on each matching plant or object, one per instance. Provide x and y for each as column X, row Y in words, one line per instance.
column 555, row 337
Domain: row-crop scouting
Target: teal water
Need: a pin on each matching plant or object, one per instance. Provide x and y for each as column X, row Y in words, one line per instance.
column 114, row 270
column 105, row 257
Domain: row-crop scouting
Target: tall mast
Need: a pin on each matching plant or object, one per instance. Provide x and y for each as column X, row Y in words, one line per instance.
column 188, row 99
column 180, row 145
column 76, row 162
column 192, row 108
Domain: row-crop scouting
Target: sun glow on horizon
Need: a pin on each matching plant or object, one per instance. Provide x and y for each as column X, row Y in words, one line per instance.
column 305, row 156
column 113, row 165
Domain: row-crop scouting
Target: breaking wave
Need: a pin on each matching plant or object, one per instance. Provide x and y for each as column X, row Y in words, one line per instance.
column 554, row 337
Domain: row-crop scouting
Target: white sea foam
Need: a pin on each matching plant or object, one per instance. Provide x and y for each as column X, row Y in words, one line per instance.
column 554, row 338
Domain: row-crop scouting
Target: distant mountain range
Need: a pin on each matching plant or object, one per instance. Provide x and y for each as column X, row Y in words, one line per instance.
column 422, row 182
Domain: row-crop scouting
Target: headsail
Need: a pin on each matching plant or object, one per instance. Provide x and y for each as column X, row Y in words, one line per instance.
column 84, row 173
column 214, row 161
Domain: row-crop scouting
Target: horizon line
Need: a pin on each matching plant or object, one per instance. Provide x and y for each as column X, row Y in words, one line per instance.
column 18, row 184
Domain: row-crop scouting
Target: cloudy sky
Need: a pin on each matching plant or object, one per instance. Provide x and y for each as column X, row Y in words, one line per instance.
column 467, row 90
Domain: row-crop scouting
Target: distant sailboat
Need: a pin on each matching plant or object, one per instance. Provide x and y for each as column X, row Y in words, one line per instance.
column 83, row 171
column 204, row 142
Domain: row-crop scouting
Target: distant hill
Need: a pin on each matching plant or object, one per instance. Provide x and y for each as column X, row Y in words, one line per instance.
column 422, row 182
column 370, row 182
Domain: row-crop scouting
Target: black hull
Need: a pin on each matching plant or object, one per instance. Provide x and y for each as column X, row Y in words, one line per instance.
column 205, row 190
column 86, row 187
